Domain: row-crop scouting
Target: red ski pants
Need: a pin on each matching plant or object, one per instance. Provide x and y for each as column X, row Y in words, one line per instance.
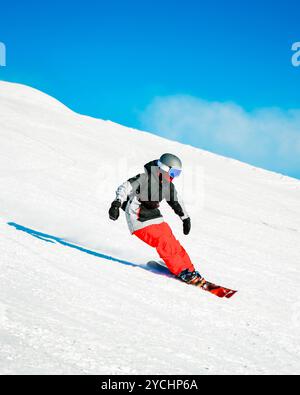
column 169, row 249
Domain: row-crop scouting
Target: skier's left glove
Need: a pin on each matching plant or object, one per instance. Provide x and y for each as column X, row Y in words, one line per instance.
column 187, row 225
column 114, row 211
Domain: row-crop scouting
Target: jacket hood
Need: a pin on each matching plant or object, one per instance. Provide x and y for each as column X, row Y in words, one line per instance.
column 150, row 171
column 148, row 166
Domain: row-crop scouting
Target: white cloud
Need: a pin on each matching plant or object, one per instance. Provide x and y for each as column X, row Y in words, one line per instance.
column 268, row 138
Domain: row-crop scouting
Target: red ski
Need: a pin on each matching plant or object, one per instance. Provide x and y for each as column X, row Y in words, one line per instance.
column 219, row 291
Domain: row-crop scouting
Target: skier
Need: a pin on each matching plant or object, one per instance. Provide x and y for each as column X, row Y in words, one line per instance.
column 140, row 198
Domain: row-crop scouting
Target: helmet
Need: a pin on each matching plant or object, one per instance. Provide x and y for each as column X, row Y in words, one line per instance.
column 170, row 164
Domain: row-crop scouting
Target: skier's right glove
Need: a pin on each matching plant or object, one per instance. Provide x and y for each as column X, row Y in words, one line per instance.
column 114, row 211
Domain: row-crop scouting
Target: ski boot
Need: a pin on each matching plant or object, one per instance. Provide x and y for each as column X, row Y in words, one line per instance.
column 192, row 278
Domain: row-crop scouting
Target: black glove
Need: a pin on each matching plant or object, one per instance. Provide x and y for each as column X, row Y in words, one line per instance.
column 114, row 211
column 187, row 226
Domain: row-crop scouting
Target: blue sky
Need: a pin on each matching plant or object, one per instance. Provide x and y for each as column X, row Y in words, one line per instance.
column 127, row 60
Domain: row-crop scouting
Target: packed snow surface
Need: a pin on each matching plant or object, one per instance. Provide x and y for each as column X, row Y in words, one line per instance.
column 70, row 310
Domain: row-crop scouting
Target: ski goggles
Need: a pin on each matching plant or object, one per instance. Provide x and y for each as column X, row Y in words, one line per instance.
column 172, row 171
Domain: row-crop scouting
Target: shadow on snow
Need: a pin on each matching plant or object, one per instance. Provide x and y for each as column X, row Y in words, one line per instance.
column 56, row 240
column 53, row 239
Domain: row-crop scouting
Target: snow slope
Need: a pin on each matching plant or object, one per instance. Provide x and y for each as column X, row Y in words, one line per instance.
column 64, row 310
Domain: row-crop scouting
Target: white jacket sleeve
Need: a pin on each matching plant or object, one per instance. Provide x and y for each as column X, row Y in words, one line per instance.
column 123, row 192
column 129, row 187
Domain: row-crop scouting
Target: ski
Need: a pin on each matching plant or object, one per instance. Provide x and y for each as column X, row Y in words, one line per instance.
column 217, row 290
